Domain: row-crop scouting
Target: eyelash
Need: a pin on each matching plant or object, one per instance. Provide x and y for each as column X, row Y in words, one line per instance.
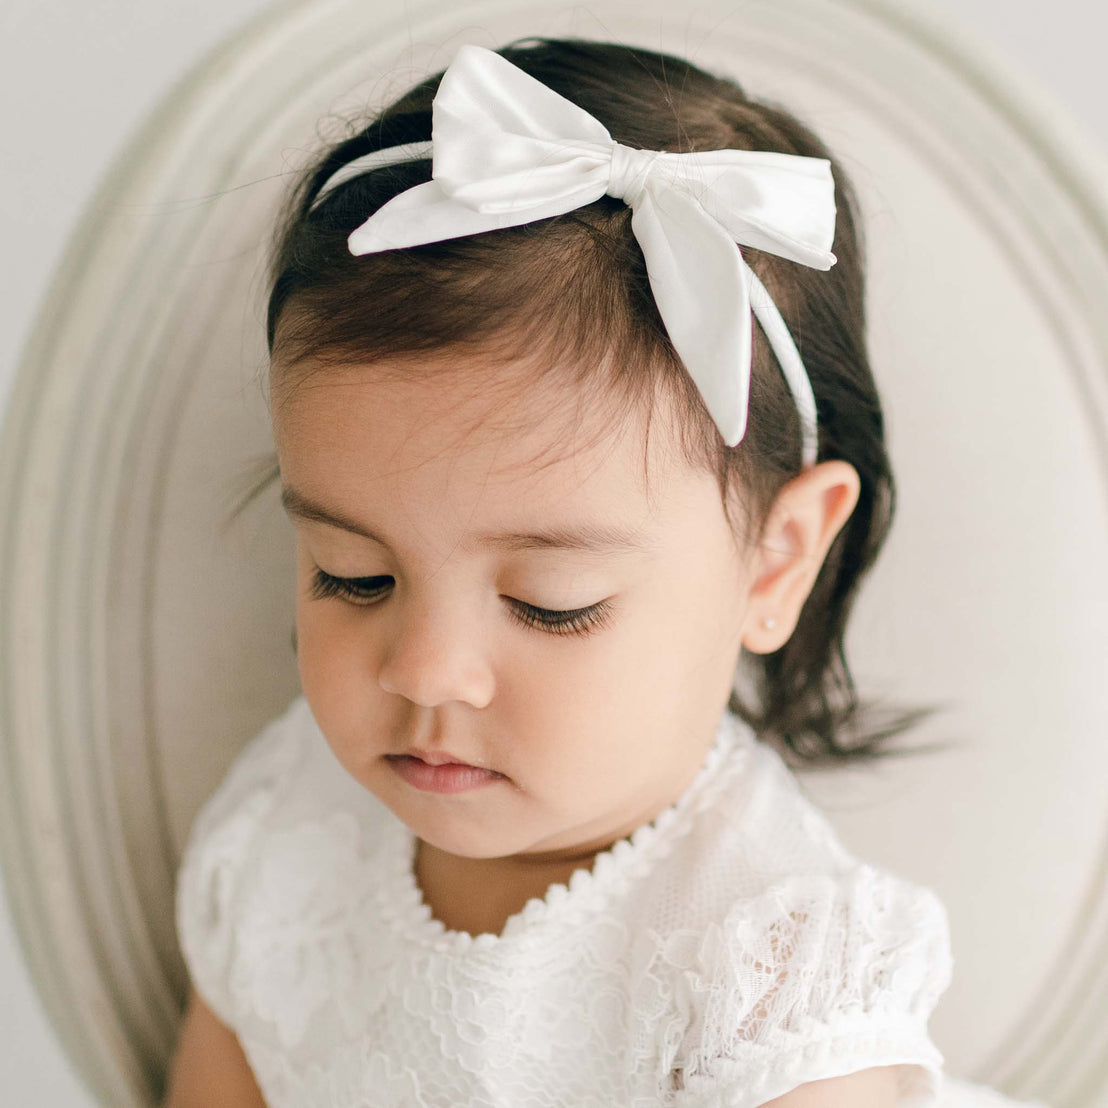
column 579, row 621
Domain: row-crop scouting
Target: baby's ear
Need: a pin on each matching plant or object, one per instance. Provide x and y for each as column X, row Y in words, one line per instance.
column 807, row 515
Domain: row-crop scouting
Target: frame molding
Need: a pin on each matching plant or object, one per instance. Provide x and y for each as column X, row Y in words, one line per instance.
column 85, row 839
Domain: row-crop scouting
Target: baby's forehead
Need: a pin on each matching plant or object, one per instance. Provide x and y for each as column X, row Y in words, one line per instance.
column 423, row 470
column 464, row 388
column 506, row 429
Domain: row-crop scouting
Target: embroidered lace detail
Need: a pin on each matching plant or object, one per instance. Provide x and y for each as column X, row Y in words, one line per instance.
column 312, row 931
column 814, row 970
column 355, row 1076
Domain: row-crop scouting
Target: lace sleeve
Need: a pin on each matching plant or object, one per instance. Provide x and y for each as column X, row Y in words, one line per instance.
column 817, row 977
column 218, row 849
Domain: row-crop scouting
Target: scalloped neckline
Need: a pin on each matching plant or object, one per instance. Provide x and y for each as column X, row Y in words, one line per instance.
column 401, row 897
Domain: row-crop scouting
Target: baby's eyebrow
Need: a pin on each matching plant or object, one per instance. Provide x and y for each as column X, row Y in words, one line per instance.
column 593, row 537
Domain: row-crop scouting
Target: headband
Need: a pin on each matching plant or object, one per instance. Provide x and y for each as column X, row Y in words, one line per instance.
column 507, row 149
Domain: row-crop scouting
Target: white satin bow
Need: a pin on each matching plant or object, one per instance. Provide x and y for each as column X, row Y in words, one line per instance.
column 507, row 149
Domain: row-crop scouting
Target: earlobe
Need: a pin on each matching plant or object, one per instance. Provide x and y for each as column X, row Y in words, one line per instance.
column 809, row 512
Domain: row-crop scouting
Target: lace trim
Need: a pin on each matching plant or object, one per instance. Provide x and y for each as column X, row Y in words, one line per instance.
column 735, row 1085
column 401, row 901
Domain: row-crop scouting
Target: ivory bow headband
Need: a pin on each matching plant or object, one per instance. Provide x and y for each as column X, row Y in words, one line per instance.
column 507, row 149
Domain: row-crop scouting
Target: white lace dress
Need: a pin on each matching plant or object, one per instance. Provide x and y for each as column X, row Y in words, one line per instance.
column 720, row 956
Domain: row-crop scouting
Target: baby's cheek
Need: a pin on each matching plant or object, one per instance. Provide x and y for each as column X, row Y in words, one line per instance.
column 333, row 675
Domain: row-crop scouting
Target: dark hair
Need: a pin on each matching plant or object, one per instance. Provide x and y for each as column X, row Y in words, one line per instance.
column 572, row 291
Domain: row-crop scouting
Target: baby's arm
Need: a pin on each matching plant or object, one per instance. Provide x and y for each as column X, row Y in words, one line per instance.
column 209, row 1066
column 869, row 1088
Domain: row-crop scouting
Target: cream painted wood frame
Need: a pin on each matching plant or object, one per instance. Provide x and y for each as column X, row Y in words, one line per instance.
column 144, row 639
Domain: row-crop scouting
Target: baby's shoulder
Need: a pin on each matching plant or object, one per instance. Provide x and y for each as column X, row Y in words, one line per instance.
column 781, row 955
column 284, row 776
column 755, row 828
column 250, row 787
column 760, row 877
column 762, row 852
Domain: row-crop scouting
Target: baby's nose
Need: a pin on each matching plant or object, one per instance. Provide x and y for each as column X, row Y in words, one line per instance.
column 433, row 654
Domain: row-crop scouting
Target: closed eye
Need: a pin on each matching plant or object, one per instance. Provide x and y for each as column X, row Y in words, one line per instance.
column 364, row 591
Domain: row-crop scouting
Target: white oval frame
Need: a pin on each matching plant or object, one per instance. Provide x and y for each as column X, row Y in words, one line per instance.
column 88, row 829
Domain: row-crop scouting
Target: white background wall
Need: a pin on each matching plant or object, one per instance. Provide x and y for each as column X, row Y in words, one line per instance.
column 77, row 76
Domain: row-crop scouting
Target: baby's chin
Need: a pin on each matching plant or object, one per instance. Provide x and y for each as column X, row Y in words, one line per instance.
column 498, row 831
column 484, row 844
column 484, row 822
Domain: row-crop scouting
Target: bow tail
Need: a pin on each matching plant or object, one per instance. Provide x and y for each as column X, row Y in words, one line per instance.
column 426, row 213
column 701, row 286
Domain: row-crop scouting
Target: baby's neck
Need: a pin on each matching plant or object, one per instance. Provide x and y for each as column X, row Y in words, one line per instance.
column 479, row 894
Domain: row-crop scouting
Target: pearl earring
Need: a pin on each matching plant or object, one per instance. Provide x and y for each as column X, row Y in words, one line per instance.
column 769, row 623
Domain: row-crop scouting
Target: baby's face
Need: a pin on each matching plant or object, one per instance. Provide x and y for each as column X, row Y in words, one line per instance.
column 594, row 730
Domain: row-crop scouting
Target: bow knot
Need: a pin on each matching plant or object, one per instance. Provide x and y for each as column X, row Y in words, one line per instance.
column 628, row 173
